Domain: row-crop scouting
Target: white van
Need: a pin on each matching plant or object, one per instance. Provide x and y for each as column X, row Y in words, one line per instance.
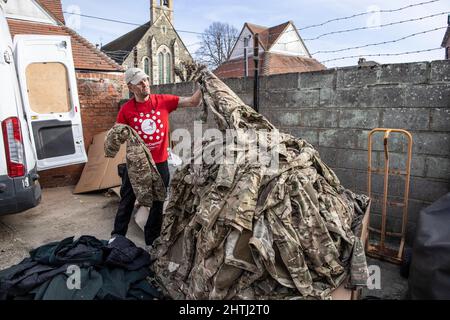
column 39, row 114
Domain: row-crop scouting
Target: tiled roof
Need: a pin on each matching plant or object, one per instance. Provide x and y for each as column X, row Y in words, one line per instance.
column 256, row 28
column 268, row 36
column 235, row 68
column 85, row 55
column 275, row 32
column 270, row 63
column 278, row 63
column 54, row 7
column 121, row 47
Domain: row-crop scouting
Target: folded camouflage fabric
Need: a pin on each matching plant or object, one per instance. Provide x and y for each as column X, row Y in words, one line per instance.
column 240, row 231
column 147, row 184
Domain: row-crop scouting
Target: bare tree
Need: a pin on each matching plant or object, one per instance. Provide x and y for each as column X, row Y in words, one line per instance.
column 216, row 45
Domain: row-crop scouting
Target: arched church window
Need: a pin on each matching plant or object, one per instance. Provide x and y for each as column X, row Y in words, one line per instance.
column 147, row 66
column 168, row 68
column 161, row 67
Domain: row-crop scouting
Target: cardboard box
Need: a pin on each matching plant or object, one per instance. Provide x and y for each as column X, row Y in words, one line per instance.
column 100, row 172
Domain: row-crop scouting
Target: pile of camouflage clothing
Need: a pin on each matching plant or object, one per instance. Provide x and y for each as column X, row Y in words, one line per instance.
column 243, row 230
column 144, row 177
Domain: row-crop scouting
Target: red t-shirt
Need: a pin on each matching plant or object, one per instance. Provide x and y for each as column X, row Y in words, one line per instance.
column 150, row 120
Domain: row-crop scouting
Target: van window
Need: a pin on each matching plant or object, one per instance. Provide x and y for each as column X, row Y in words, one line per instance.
column 48, row 87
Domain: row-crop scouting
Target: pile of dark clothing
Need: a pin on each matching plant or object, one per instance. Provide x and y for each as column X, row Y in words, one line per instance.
column 82, row 269
column 245, row 230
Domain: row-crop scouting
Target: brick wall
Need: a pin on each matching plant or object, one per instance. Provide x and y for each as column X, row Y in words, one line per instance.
column 99, row 96
column 335, row 111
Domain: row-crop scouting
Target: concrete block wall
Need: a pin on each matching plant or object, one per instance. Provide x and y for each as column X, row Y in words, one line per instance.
column 335, row 110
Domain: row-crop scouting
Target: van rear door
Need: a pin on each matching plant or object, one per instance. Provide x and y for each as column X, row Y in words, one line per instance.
column 49, row 89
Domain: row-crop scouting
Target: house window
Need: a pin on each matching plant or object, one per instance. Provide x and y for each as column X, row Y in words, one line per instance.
column 168, row 68
column 146, row 66
column 161, row 67
column 246, row 42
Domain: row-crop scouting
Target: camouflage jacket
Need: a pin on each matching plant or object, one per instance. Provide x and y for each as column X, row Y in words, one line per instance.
column 145, row 179
column 240, row 231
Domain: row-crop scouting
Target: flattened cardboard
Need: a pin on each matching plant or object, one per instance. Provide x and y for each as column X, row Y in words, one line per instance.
column 116, row 191
column 100, row 172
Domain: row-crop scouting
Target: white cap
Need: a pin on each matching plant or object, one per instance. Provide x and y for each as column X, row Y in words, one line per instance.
column 135, row 75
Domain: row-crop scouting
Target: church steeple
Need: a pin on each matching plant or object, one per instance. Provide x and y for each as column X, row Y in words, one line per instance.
column 159, row 7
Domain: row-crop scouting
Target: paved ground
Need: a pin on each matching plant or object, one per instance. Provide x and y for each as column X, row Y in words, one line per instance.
column 62, row 214
column 392, row 286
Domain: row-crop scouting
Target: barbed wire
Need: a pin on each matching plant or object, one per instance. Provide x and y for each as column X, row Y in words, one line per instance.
column 382, row 54
column 120, row 54
column 336, row 59
column 359, row 28
column 379, row 43
column 366, row 13
column 360, row 14
column 297, row 40
column 378, row 26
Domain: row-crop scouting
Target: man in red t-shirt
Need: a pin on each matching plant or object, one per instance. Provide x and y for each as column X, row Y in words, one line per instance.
column 148, row 115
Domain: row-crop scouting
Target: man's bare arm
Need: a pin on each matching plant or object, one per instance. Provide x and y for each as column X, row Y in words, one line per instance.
column 192, row 101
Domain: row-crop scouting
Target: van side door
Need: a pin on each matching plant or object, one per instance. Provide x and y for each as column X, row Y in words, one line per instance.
column 48, row 85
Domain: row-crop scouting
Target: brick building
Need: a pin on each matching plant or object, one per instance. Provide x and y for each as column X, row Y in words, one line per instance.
column 155, row 46
column 99, row 78
column 281, row 50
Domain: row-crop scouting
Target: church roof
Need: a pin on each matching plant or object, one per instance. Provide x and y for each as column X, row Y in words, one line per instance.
column 446, row 37
column 445, row 42
column 120, row 48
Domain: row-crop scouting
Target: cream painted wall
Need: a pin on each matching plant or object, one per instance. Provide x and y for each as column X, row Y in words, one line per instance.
column 238, row 51
column 289, row 44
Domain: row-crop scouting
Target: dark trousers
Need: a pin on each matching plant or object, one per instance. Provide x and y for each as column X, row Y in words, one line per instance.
column 152, row 228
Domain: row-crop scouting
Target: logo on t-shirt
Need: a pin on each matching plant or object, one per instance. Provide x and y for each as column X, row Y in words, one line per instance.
column 148, row 126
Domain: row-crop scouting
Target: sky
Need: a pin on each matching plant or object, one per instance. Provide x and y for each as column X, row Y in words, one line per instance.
column 197, row 15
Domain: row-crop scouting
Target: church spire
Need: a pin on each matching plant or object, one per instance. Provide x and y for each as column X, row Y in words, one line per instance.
column 159, row 7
